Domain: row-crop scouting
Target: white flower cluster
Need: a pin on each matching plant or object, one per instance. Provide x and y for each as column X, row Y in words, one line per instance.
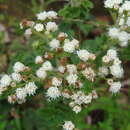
column 118, row 4
column 53, row 93
column 39, row 27
column 115, row 87
column 15, row 77
column 89, row 73
column 123, row 20
column 72, row 78
column 54, row 44
column 125, row 6
column 68, row 125
column 21, row 93
column 112, row 3
column 61, row 69
column 38, row 60
column 5, row 81
column 51, row 27
column 122, row 36
column 70, row 72
column 103, row 71
column 42, row 71
column 114, row 65
column 63, row 78
column 84, row 55
column 19, row 67
column 79, row 98
column 46, row 15
column 70, row 46
column 46, row 26
column 115, row 69
column 71, row 68
column 56, row 82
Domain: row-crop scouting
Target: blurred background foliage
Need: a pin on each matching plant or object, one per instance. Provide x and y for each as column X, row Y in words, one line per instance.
column 77, row 18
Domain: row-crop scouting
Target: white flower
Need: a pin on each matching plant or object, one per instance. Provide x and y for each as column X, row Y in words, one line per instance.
column 72, row 78
column 112, row 3
column 106, row 59
column 123, row 43
column 126, row 6
column 83, row 55
column 12, row 99
column 39, row 27
column 28, row 32
column 62, row 35
column 76, row 109
column 112, row 54
column 54, row 44
column 87, row 99
column 75, row 43
column 77, row 97
column 92, row 56
column 117, row 71
column 61, row 69
column 123, row 36
column 30, row 88
column 38, row 59
column 51, row 26
column 42, row 15
column 89, row 74
column 80, row 98
column 56, row 82
column 53, row 92
column 5, row 80
column 47, row 66
column 16, row 77
column 117, row 61
column 72, row 104
column 41, row 73
column 71, row 68
column 113, row 32
column 109, row 3
column 68, row 125
column 118, row 1
column 110, row 81
column 69, row 47
column 115, row 87
column 21, row 93
column 103, row 71
column 65, row 95
column 18, row 67
column 51, row 15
